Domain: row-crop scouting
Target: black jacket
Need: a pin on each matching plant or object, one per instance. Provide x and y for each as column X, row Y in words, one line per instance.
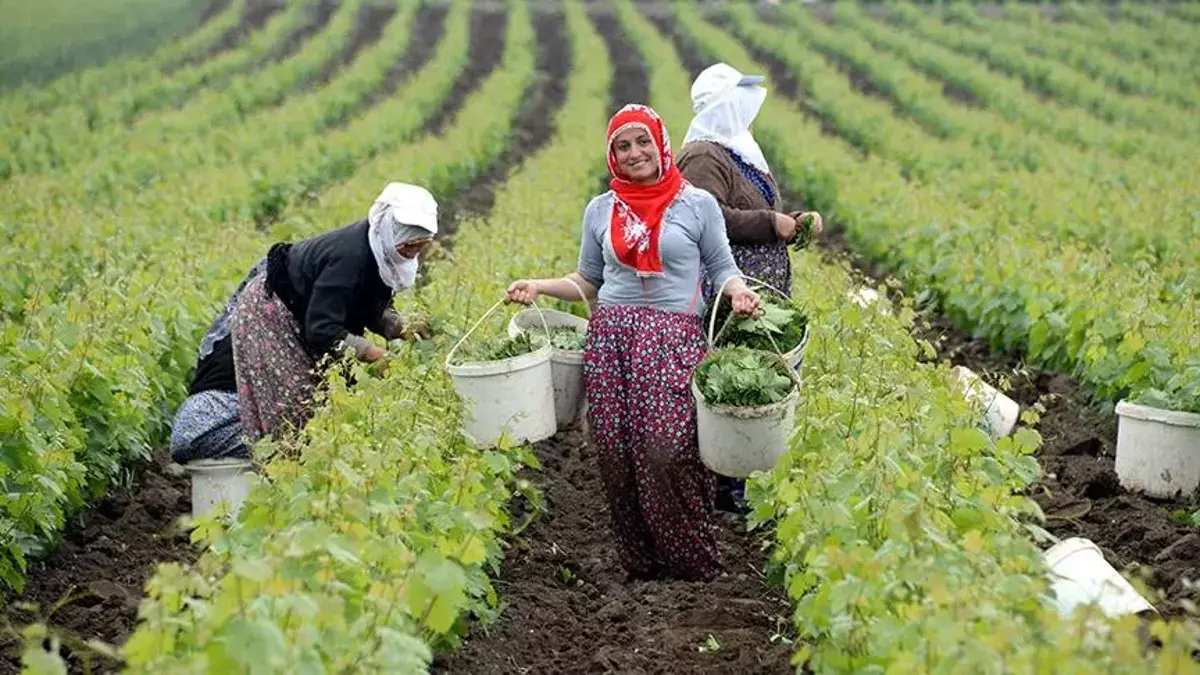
column 332, row 285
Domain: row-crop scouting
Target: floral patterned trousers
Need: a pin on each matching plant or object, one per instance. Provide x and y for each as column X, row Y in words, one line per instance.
column 637, row 368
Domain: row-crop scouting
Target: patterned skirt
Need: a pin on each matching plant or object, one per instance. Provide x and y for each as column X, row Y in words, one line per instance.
column 275, row 374
column 766, row 262
column 637, row 369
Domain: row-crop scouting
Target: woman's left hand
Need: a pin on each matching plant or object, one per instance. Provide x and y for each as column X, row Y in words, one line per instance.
column 816, row 224
column 745, row 302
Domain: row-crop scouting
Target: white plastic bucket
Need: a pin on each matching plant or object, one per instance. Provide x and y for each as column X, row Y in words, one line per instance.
column 512, row 397
column 795, row 356
column 736, row 441
column 1158, row 451
column 1000, row 413
column 1080, row 575
column 864, row 297
column 566, row 365
column 218, row 480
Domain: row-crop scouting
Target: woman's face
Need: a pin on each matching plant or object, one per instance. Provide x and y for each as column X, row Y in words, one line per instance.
column 637, row 155
column 412, row 249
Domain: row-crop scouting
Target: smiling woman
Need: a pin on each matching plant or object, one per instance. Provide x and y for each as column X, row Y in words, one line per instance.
column 647, row 246
column 637, row 155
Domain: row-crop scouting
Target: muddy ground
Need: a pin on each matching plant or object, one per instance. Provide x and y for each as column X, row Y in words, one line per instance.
column 568, row 607
column 90, row 587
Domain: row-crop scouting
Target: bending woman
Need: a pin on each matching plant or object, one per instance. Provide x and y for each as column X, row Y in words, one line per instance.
column 316, row 298
column 647, row 245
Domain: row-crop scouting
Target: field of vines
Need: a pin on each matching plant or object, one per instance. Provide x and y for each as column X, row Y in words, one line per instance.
column 1018, row 182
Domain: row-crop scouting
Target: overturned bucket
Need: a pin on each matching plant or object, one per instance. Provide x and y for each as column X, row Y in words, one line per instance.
column 1000, row 413
column 1079, row 575
column 219, row 480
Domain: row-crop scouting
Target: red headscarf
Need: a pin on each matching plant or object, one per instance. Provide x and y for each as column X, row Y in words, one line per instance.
column 638, row 209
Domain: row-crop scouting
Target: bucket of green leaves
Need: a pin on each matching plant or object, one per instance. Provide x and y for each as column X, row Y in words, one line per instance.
column 780, row 328
column 505, row 384
column 745, row 395
column 567, row 335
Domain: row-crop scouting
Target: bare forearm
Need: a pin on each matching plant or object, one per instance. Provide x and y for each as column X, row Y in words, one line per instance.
column 563, row 289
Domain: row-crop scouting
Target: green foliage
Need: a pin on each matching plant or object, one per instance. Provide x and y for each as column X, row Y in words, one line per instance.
column 743, row 377
column 778, row 328
column 567, row 339
column 903, row 532
column 370, row 541
column 45, row 39
column 500, row 347
column 97, row 372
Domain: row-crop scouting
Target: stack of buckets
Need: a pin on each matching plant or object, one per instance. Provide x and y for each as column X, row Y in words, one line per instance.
column 525, row 398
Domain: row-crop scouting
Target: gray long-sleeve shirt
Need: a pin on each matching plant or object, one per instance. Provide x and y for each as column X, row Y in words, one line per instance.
column 692, row 245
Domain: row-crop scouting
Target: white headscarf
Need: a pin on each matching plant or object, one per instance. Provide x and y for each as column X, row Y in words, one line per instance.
column 725, row 103
column 401, row 213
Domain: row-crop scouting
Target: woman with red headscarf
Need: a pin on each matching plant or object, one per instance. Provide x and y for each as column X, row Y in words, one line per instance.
column 648, row 245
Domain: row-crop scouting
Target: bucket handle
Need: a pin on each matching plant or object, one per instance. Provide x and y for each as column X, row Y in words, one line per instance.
column 502, row 301
column 582, row 296
column 712, row 323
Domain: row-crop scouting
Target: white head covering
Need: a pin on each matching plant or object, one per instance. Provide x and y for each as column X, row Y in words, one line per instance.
column 725, row 103
column 401, row 213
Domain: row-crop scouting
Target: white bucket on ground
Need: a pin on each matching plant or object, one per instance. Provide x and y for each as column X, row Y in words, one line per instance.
column 1158, row 451
column 512, row 397
column 218, row 480
column 864, row 296
column 566, row 365
column 736, row 441
column 1080, row 575
column 1000, row 412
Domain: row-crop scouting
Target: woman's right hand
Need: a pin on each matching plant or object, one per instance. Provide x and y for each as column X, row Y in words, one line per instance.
column 524, row 291
column 785, row 227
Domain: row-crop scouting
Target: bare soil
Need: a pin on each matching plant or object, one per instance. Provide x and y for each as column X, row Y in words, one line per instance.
column 291, row 44
column 533, row 128
column 90, row 587
column 427, row 29
column 568, row 607
column 254, row 16
column 368, row 26
column 486, row 51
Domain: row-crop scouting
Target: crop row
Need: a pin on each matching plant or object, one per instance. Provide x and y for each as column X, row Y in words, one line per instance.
column 1153, row 199
column 47, row 38
column 1046, row 75
column 373, row 539
column 127, row 328
column 1136, row 43
column 902, row 529
column 74, row 137
column 99, row 81
column 220, row 172
column 976, row 234
column 1085, row 50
